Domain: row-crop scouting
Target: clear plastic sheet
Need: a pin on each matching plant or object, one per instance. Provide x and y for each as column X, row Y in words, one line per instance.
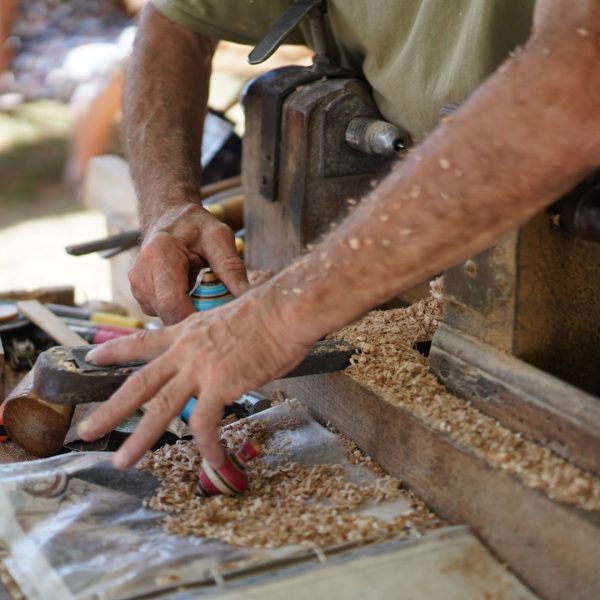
column 75, row 527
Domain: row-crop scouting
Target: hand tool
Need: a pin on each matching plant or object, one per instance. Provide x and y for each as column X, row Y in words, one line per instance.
column 112, row 245
column 38, row 411
column 48, row 322
column 96, row 336
column 64, row 377
column 223, row 199
column 76, row 312
column 71, row 322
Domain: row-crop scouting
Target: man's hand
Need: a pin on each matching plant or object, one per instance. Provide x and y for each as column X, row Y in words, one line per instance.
column 166, row 93
column 215, row 356
column 184, row 240
column 526, row 137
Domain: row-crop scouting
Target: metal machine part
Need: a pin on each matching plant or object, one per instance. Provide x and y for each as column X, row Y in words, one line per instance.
column 374, row 136
column 296, row 153
column 520, row 331
column 275, row 86
column 519, row 337
column 288, row 21
column 579, row 212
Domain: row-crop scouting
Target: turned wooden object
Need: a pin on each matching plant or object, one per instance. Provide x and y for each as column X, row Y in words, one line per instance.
column 36, row 425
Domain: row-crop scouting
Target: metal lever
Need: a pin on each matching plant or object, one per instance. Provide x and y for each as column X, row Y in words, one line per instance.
column 286, row 23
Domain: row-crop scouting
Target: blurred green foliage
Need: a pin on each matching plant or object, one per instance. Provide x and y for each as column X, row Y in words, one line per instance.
column 34, row 140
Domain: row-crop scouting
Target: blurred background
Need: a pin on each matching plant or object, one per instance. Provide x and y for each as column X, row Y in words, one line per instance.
column 62, row 64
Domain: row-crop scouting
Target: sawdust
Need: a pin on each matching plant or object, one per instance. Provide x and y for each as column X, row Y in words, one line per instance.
column 256, row 278
column 391, row 366
column 288, row 503
column 11, row 452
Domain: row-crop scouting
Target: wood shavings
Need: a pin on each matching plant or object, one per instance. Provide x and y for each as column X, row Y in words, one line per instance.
column 11, row 452
column 256, row 277
column 396, row 371
column 415, row 191
column 289, row 503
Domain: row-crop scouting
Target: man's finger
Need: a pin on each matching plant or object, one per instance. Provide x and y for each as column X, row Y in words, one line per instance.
column 223, row 259
column 137, row 389
column 205, row 425
column 145, row 345
column 171, row 299
column 142, row 299
column 164, row 406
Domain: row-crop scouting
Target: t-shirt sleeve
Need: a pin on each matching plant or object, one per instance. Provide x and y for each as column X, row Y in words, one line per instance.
column 240, row 21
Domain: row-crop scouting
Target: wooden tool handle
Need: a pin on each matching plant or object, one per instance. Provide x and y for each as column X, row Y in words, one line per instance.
column 220, row 186
column 230, row 210
column 36, row 425
column 50, row 323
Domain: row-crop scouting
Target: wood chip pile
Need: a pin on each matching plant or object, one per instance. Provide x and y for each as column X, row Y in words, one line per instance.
column 288, row 503
column 390, row 366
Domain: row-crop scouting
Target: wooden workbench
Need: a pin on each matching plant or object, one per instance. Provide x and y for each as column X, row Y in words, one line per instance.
column 552, row 547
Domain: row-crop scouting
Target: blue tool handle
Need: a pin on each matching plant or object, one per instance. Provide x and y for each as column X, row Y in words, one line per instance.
column 188, row 409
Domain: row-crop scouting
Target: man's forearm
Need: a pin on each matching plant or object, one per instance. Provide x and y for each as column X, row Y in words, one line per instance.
column 165, row 102
column 518, row 144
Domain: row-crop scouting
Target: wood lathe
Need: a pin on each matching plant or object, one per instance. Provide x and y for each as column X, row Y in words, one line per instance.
column 519, row 338
column 517, row 347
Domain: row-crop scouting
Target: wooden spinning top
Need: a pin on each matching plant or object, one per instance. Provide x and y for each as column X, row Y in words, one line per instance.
column 209, row 292
column 231, row 478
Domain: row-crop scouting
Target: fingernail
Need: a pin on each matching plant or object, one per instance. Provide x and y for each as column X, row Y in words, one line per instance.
column 243, row 286
column 84, row 428
column 90, row 357
column 120, row 460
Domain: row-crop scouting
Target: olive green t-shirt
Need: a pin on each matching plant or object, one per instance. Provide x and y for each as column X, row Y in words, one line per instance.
column 418, row 55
